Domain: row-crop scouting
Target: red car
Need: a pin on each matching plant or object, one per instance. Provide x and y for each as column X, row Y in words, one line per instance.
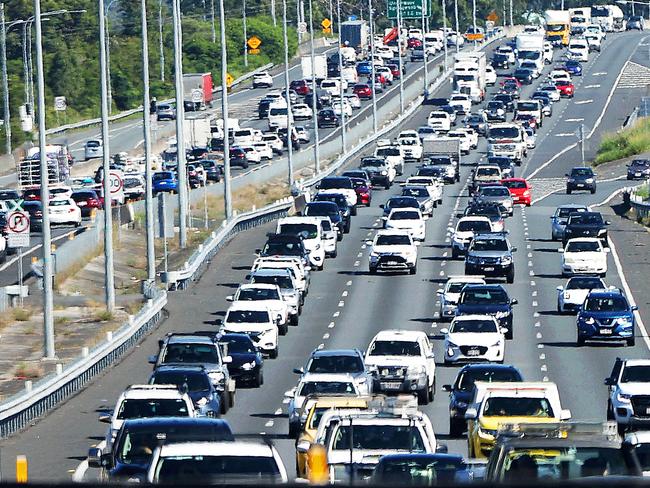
column 364, row 192
column 363, row 91
column 527, row 120
column 394, row 69
column 87, row 200
column 301, row 87
column 510, row 81
column 414, row 42
column 520, row 190
column 566, row 88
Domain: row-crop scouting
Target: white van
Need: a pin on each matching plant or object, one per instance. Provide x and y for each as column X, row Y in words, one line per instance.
column 579, row 50
column 279, row 117
column 333, row 87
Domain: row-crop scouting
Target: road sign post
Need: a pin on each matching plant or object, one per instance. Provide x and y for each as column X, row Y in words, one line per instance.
column 254, row 44
column 116, row 186
column 409, row 9
column 18, row 237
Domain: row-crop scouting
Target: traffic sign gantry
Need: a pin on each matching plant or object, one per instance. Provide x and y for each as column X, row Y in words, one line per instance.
column 409, row 9
column 254, row 42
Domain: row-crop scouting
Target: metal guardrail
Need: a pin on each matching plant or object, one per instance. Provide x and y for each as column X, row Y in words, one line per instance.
column 641, row 208
column 19, row 410
column 128, row 113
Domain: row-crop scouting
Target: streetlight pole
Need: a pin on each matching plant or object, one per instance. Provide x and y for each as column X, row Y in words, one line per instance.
column 5, row 82
column 372, row 66
column 424, row 46
column 511, row 21
column 161, row 45
column 214, row 30
column 314, row 105
column 227, row 196
column 343, row 132
column 457, row 28
column 474, row 21
column 275, row 22
column 108, row 58
column 108, row 216
column 444, row 28
column 146, row 125
column 245, row 34
column 286, row 93
column 399, row 55
column 48, row 304
column 180, row 128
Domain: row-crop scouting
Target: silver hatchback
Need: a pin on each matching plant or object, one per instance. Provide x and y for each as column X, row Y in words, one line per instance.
column 94, row 148
column 560, row 218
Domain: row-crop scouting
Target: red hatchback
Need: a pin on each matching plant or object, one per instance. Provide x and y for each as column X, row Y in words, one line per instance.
column 363, row 91
column 520, row 190
column 414, row 42
column 301, row 87
column 511, row 80
column 394, row 69
column 566, row 88
column 87, row 201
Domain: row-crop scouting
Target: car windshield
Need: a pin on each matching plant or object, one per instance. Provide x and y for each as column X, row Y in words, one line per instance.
column 378, row 437
column 473, row 226
column 527, row 106
column 636, row 374
column 415, row 192
column 517, row 407
column 488, row 172
column 504, row 133
column 137, row 408
column 240, row 345
column 93, row 144
column 209, row 470
column 475, row 326
column 80, row 196
column 307, row 231
column 395, row 348
column 585, row 283
column 326, row 388
column 283, row 281
column 371, row 164
column 583, row 246
column 336, row 364
column 582, row 172
column 336, row 183
column 470, row 376
column 388, row 151
column 59, row 203
column 586, row 219
column 399, row 202
column 528, row 55
column 321, row 210
column 484, row 296
column 616, row 303
column 281, row 248
column 514, row 184
column 405, row 215
column 165, row 175
column 489, row 244
column 253, row 294
column 495, row 191
column 194, row 381
column 191, row 353
column 247, row 316
column 566, row 211
column 564, row 462
column 336, row 198
column 393, row 240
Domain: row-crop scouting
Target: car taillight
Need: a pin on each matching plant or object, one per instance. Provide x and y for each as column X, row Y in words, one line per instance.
column 38, row 214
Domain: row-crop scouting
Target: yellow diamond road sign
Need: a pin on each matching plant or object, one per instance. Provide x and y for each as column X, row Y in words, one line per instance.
column 326, row 23
column 254, row 42
column 229, row 80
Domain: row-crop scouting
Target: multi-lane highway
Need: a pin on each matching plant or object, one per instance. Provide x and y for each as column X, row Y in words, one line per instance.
column 347, row 306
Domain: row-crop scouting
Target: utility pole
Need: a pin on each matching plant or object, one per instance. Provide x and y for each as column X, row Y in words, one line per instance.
column 444, row 28
column 48, row 304
column 474, row 22
column 180, row 132
column 399, row 55
column 511, row 21
column 582, row 143
column 109, row 284
column 146, row 125
column 286, row 94
column 5, row 81
column 160, row 40
column 26, row 68
column 214, row 30
column 343, row 131
column 314, row 105
column 275, row 22
column 457, row 28
column 227, row 196
column 245, row 34
column 372, row 65
column 108, row 62
column 426, row 56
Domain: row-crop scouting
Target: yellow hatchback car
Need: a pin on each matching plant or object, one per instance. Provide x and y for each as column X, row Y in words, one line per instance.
column 315, row 407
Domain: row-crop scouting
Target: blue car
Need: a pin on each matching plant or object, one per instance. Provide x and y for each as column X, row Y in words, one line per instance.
column 197, row 383
column 573, row 67
column 606, row 315
column 247, row 362
column 364, row 68
column 488, row 300
column 164, row 181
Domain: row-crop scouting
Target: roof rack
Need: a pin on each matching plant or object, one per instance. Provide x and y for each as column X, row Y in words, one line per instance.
column 152, row 387
column 560, row 430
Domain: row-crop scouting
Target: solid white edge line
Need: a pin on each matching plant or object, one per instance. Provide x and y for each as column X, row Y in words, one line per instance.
column 80, row 472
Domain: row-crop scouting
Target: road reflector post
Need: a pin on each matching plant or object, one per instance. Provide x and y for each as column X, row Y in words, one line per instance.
column 34, row 259
column 21, row 469
column 317, row 462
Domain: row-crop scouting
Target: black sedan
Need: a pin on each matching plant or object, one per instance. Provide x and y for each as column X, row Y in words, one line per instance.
column 327, row 118
column 523, row 75
column 638, row 169
column 247, row 363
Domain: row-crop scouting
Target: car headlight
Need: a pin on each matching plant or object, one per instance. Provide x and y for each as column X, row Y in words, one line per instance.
column 202, row 402
column 384, row 173
column 248, row 366
column 461, row 404
column 502, row 314
column 216, row 376
column 589, row 181
column 588, row 320
column 602, row 232
column 374, row 255
column 317, row 247
column 415, row 370
column 506, row 259
column 624, row 321
column 269, row 330
column 489, row 433
column 623, row 397
column 472, row 259
column 572, row 180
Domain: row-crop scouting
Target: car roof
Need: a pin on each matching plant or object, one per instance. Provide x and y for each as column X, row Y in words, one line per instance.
column 179, row 368
column 325, row 377
column 159, row 423
column 335, row 352
column 399, row 334
column 256, row 306
column 392, row 232
column 136, row 392
column 185, row 339
column 487, row 367
column 221, row 448
column 606, row 293
column 486, row 286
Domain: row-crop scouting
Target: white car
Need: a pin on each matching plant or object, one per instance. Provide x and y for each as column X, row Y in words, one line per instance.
column 276, row 144
column 405, row 363
column 393, row 156
column 507, row 51
column 134, row 187
column 336, row 106
column 559, row 74
column 386, row 73
column 243, row 137
column 490, row 75
column 450, row 294
column 434, row 186
column 312, row 238
column 64, row 211
column 411, row 147
column 579, row 50
column 641, row 442
column 353, row 100
column 474, row 337
column 252, row 156
column 471, row 134
column 439, row 120
column 142, row 401
column 463, row 138
column 629, row 387
column 464, row 232
column 330, row 237
column 571, row 296
column 461, row 102
column 552, row 92
column 584, row 255
column 279, row 117
column 548, row 52
column 333, row 87
column 408, row 219
column 393, row 250
column 301, row 111
column 256, row 320
column 189, row 462
column 263, row 149
column 265, row 294
column 262, row 80
column 530, row 138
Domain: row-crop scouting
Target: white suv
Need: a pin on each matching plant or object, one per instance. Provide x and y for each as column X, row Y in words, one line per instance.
column 408, row 219
column 312, row 237
column 405, row 363
column 584, row 255
column 263, row 294
column 465, row 230
column 393, row 250
column 256, row 321
column 629, row 393
column 474, row 337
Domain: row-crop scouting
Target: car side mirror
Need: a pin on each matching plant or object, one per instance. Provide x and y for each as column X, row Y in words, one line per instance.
column 381, row 205
column 94, row 457
column 369, row 243
column 565, row 414
column 440, row 291
column 560, row 288
column 444, row 331
column 230, row 298
column 227, row 360
column 608, row 222
column 442, row 449
column 514, row 249
column 289, row 394
column 634, row 308
column 303, row 446
column 566, row 174
column 105, row 418
column 514, row 301
column 610, row 381
column 219, row 321
column 417, row 243
column 298, row 370
column 152, row 359
column 258, row 251
column 447, row 388
column 471, row 413
column 560, row 249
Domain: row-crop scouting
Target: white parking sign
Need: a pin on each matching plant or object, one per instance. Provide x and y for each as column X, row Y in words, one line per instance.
column 18, row 229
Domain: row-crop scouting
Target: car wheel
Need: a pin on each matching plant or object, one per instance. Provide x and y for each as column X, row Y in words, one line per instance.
column 353, row 211
column 387, row 186
column 509, row 334
column 423, row 396
column 580, row 341
column 510, row 278
column 259, row 379
column 293, row 320
column 335, row 253
column 593, row 190
column 274, row 352
column 339, row 237
column 372, row 270
column 568, row 191
column 294, row 430
column 630, row 342
column 413, row 270
column 454, row 253
column 225, row 403
column 456, row 427
column 610, row 411
column 347, row 227
column 283, row 328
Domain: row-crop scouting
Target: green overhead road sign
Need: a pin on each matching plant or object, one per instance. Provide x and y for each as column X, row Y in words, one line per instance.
column 409, row 9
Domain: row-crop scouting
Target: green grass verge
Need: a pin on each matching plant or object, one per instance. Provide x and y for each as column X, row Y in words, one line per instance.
column 628, row 142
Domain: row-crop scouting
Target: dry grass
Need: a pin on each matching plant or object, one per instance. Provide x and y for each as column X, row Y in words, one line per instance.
column 103, row 316
column 77, row 266
column 28, row 371
column 21, row 314
column 59, row 321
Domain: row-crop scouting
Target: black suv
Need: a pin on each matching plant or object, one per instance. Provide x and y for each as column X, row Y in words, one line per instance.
column 490, row 255
column 193, row 379
column 331, row 210
column 341, row 202
column 327, row 118
column 488, row 300
column 586, row 224
column 284, row 245
column 378, row 170
column 638, row 169
column 461, row 392
column 581, row 178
